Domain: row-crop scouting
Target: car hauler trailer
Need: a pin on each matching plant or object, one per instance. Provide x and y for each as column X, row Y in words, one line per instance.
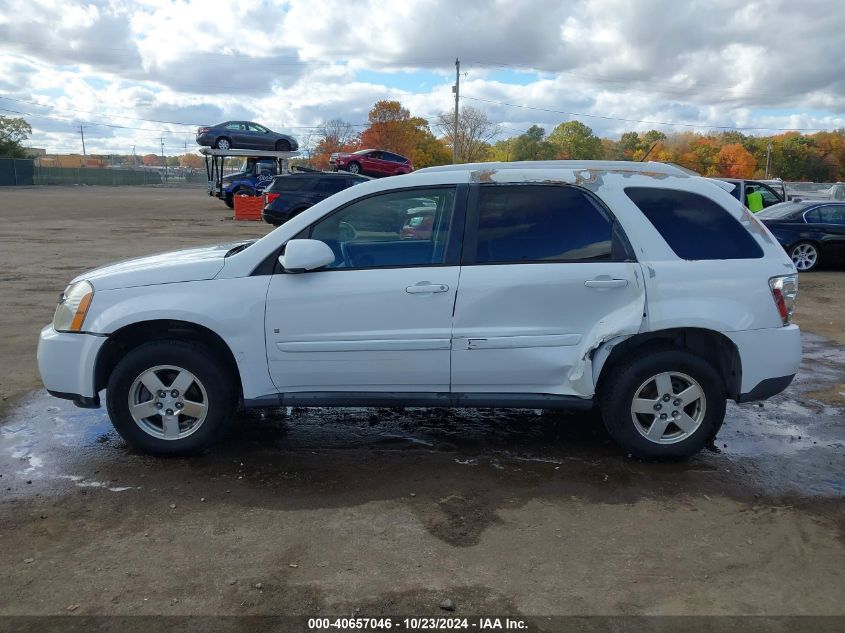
column 257, row 171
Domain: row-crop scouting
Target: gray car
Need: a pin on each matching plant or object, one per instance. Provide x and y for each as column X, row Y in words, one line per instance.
column 244, row 135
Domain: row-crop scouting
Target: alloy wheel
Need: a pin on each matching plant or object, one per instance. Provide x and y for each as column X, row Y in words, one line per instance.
column 804, row 256
column 668, row 407
column 168, row 402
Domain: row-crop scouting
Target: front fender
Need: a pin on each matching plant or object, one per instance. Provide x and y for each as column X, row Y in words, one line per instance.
column 231, row 308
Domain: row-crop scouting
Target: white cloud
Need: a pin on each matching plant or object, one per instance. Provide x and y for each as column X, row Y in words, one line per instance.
column 765, row 63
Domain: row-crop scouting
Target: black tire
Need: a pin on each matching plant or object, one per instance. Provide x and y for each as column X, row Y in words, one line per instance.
column 211, row 375
column 225, row 140
column 353, row 168
column 282, row 146
column 230, row 201
column 624, row 382
column 805, row 256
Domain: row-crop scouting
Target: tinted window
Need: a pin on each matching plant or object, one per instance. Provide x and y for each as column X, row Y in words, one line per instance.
column 693, row 225
column 782, row 211
column 535, row 223
column 289, row 183
column 830, row 214
column 369, row 233
column 330, row 185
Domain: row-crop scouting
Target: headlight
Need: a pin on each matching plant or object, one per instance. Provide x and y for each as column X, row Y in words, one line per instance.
column 73, row 306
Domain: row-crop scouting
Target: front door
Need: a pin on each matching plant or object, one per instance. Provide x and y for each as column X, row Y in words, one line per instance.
column 379, row 317
column 547, row 276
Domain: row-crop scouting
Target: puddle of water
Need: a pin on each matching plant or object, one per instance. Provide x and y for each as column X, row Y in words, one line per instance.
column 790, row 444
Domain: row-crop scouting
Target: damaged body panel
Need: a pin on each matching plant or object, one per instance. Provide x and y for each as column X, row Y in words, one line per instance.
column 531, row 328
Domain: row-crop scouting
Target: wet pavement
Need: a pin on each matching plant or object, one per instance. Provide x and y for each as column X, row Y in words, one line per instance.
column 789, row 446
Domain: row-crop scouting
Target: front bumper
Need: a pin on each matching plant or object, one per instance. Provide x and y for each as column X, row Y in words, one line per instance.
column 66, row 363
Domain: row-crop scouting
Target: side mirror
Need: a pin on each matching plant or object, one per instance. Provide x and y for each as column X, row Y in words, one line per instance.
column 302, row 255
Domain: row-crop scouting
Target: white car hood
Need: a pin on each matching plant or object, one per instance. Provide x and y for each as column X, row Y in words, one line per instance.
column 191, row 264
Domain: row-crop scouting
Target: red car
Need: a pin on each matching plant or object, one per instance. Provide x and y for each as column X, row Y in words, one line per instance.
column 372, row 162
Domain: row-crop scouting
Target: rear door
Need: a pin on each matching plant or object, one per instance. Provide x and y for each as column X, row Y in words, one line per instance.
column 373, row 164
column 546, row 276
column 831, row 222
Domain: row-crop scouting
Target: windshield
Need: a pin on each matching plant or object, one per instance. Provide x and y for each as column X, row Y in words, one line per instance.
column 780, row 211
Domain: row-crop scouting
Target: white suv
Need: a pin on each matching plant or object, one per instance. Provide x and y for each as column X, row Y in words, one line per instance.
column 634, row 287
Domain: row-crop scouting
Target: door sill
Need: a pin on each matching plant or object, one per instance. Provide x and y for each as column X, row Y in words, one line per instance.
column 419, row 399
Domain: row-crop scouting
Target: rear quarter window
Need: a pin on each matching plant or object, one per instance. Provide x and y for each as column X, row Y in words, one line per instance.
column 694, row 226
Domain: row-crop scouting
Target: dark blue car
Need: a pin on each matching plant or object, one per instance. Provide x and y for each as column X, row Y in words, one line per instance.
column 811, row 231
column 290, row 194
column 254, row 176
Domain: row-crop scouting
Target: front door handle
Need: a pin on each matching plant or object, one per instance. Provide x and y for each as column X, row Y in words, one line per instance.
column 426, row 287
column 605, row 281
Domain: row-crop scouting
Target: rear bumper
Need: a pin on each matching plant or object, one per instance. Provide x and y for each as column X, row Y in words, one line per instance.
column 770, row 359
column 66, row 363
column 766, row 389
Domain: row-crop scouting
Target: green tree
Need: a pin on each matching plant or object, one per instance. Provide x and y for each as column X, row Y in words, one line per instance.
column 574, row 140
column 13, row 132
column 532, row 145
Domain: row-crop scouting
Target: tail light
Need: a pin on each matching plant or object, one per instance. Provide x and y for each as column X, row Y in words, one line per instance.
column 269, row 197
column 784, row 293
column 202, row 130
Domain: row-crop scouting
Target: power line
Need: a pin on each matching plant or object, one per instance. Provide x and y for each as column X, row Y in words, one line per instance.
column 614, row 118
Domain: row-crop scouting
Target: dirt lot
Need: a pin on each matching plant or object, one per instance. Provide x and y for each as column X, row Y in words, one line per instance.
column 392, row 511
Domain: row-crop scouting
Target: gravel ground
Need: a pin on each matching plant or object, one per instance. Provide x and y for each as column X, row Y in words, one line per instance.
column 318, row 511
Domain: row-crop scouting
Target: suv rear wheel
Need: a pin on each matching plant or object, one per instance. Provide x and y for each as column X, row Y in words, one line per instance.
column 665, row 404
column 170, row 397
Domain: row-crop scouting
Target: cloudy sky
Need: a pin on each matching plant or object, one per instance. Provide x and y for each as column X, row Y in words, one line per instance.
column 133, row 71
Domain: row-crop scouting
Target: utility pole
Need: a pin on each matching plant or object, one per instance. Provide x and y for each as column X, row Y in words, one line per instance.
column 163, row 159
column 134, row 158
column 82, row 134
column 768, row 158
column 457, row 90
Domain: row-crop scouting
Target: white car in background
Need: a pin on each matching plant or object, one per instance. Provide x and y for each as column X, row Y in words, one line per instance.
column 631, row 287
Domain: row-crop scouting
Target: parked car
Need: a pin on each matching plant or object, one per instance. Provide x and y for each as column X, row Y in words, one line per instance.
column 254, row 176
column 816, row 191
column 630, row 287
column 244, row 135
column 811, row 231
column 290, row 194
column 769, row 195
column 372, row 162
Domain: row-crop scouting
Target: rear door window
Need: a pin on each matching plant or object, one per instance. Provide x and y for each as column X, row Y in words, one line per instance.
column 543, row 223
column 289, row 183
column 694, row 226
column 330, row 185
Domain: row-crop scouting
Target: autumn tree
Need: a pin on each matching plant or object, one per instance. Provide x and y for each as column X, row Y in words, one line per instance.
column 576, row 141
column 475, row 131
column 333, row 136
column 392, row 128
column 192, row 161
column 734, row 161
column 152, row 160
column 13, row 132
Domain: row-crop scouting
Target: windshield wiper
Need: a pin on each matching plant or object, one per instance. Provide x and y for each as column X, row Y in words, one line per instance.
column 239, row 248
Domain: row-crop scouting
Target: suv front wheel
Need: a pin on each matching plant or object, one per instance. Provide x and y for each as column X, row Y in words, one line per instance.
column 170, row 397
column 664, row 404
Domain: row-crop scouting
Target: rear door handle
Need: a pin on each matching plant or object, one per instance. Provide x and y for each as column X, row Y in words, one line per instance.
column 426, row 287
column 606, row 282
